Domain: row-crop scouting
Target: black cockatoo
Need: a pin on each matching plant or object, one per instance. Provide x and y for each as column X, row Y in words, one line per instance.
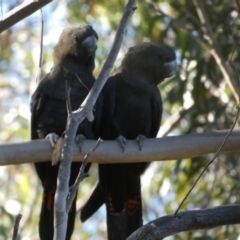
column 73, row 58
column 132, row 108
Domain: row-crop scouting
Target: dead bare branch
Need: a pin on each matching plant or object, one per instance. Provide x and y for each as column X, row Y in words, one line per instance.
column 74, row 119
column 81, row 176
column 20, row 12
column 187, row 221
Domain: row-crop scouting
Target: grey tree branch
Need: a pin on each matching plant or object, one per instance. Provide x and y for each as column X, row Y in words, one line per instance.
column 107, row 67
column 21, row 12
column 74, row 119
column 160, row 149
column 187, row 221
column 60, row 213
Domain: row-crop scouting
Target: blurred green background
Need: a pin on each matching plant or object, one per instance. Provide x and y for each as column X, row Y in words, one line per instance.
column 196, row 100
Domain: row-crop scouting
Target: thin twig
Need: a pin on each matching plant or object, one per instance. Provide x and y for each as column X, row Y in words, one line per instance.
column 73, row 189
column 79, row 79
column 178, row 25
column 220, row 148
column 41, row 47
column 188, row 13
column 28, row 213
column 206, row 167
column 215, row 49
column 16, row 226
column 68, row 100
